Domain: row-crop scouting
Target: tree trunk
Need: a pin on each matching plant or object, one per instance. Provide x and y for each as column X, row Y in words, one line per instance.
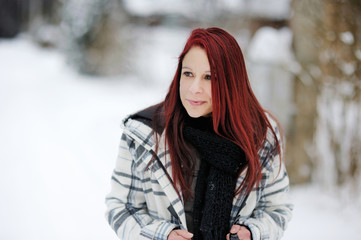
column 328, row 46
column 338, row 135
column 300, row 136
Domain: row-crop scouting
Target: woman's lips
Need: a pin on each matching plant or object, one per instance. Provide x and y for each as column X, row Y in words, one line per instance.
column 195, row 103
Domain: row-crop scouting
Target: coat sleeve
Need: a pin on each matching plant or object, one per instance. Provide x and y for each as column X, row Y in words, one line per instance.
column 127, row 211
column 273, row 210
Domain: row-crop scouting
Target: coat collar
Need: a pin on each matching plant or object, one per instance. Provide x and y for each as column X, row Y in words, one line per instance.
column 161, row 167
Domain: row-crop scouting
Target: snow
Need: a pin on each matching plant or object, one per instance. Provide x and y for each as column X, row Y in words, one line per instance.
column 270, row 64
column 319, row 214
column 59, row 137
column 154, row 44
column 337, row 135
column 147, row 8
column 275, row 9
column 348, row 68
column 58, row 143
column 358, row 54
column 347, row 37
column 271, row 46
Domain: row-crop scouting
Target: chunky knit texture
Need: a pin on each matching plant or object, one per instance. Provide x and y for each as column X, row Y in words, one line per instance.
column 221, row 161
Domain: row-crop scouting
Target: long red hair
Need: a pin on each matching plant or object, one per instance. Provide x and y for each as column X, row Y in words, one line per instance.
column 237, row 115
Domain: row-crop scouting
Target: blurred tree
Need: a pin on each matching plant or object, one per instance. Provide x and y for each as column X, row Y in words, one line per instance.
column 326, row 140
column 301, row 132
column 97, row 35
column 18, row 15
column 12, row 17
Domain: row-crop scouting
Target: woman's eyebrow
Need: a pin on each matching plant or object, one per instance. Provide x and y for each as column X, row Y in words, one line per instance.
column 187, row 67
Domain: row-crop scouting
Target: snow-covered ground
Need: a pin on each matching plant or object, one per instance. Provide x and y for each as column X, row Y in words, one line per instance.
column 59, row 133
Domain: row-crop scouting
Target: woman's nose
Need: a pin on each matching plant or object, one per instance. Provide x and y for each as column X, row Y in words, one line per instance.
column 196, row 86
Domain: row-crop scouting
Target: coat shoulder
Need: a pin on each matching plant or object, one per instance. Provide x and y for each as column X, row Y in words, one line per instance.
column 140, row 125
column 153, row 117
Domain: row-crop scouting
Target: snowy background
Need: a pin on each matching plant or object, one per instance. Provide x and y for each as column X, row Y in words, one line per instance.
column 60, row 129
column 59, row 133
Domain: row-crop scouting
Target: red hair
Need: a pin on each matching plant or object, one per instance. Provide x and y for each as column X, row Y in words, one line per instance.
column 237, row 115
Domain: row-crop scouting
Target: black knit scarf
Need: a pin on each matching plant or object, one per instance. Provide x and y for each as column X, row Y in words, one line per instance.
column 221, row 161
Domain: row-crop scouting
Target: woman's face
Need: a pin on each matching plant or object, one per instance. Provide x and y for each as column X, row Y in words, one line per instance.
column 195, row 83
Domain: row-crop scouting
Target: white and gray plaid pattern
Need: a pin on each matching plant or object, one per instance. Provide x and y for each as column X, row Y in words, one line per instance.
column 143, row 203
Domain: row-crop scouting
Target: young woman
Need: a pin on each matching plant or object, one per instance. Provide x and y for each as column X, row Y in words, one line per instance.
column 206, row 162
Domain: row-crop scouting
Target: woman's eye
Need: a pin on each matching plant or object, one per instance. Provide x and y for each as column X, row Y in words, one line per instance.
column 187, row 74
column 208, row 77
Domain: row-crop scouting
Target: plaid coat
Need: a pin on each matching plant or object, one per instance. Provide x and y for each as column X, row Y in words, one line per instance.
column 143, row 203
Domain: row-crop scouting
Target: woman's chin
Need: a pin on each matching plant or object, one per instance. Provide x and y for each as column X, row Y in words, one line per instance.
column 194, row 114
